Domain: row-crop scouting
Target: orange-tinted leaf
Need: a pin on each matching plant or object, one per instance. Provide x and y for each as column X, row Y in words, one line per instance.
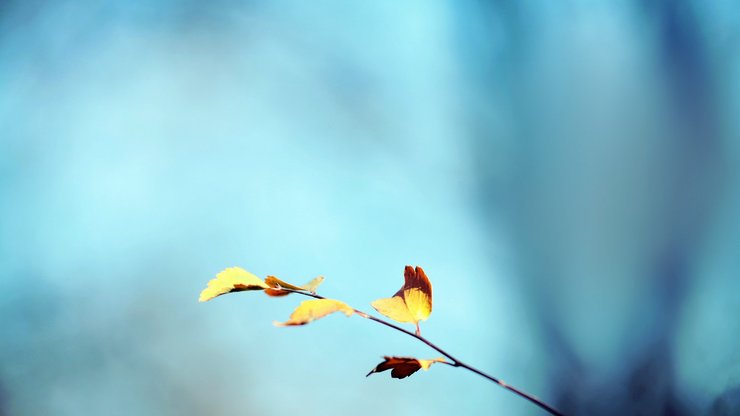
column 233, row 279
column 273, row 281
column 275, row 285
column 311, row 310
column 413, row 302
column 402, row 367
column 276, row 292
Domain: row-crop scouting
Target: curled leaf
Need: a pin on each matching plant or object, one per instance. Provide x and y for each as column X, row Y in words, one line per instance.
column 275, row 285
column 276, row 292
column 402, row 367
column 311, row 310
column 413, row 302
column 233, row 279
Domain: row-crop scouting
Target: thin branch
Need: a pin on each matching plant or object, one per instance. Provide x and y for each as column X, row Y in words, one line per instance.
column 455, row 362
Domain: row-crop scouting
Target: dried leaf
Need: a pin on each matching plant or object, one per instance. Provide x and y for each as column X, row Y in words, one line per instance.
column 273, row 281
column 233, row 279
column 276, row 292
column 413, row 302
column 276, row 283
column 402, row 367
column 311, row 310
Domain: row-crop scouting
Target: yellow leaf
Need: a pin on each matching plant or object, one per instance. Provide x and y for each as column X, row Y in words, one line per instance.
column 413, row 302
column 313, row 284
column 394, row 308
column 425, row 364
column 275, row 285
column 402, row 367
column 233, row 279
column 311, row 310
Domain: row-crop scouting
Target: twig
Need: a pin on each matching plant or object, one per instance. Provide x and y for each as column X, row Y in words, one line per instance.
column 454, row 361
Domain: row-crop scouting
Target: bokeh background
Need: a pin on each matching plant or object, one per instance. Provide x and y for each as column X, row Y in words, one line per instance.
column 566, row 173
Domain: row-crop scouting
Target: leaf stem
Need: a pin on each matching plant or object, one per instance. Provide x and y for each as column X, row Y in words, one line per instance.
column 454, row 361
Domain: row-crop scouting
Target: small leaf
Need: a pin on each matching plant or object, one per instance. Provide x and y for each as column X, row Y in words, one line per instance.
column 313, row 284
column 311, row 310
column 275, row 285
column 402, row 367
column 413, row 302
column 273, row 281
column 233, row 279
column 276, row 292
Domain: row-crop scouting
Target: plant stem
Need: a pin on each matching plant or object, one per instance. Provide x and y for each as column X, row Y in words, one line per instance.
column 455, row 362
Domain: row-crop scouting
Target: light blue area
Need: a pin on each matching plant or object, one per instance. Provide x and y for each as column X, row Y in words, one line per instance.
column 535, row 159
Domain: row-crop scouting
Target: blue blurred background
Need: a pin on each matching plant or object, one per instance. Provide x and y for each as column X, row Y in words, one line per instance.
column 565, row 172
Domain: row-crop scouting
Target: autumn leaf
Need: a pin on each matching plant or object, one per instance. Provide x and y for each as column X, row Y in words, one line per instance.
column 402, row 367
column 311, row 310
column 233, row 279
column 313, row 284
column 275, row 285
column 412, row 303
